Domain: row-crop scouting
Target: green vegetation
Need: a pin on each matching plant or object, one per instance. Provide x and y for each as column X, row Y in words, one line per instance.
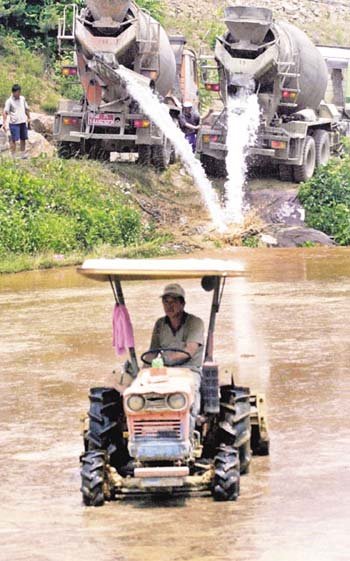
column 20, row 65
column 51, row 205
column 155, row 7
column 326, row 199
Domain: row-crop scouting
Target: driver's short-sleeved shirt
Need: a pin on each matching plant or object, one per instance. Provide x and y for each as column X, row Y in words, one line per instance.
column 190, row 331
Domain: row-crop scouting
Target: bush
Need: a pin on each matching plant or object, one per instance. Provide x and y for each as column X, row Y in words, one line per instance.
column 62, row 206
column 326, row 199
column 20, row 65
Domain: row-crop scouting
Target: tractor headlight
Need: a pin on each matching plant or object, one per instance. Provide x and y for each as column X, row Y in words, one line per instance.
column 176, row 400
column 135, row 402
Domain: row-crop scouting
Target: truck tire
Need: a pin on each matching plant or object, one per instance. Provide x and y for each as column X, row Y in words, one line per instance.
column 93, row 477
column 145, row 154
column 161, row 155
column 305, row 171
column 106, row 425
column 225, row 486
column 67, row 150
column 286, row 173
column 212, row 166
column 323, row 147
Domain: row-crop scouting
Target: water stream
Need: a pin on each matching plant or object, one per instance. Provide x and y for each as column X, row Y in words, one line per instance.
column 242, row 123
column 159, row 114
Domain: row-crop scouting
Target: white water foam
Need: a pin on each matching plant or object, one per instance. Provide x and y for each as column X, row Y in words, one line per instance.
column 243, row 115
column 159, row 114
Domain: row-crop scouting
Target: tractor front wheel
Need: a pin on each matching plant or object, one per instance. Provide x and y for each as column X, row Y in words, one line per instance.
column 94, row 480
column 225, row 486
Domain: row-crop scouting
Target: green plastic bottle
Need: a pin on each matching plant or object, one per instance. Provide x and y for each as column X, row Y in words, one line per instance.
column 157, row 362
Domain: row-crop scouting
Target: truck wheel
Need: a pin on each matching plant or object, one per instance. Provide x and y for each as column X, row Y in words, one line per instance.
column 106, row 425
column 225, row 486
column 212, row 166
column 286, row 173
column 145, row 153
column 323, row 147
column 93, row 477
column 306, row 170
column 67, row 150
column 161, row 155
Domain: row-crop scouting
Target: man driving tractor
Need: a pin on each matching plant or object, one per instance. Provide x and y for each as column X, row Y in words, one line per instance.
column 180, row 330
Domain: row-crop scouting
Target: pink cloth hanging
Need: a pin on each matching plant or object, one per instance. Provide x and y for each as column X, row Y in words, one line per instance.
column 123, row 336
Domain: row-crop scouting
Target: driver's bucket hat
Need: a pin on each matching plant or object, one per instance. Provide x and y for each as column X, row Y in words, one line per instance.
column 173, row 290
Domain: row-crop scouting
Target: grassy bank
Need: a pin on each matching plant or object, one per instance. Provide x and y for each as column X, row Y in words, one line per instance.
column 55, row 212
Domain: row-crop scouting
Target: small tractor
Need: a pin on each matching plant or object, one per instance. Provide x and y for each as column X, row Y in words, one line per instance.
column 144, row 439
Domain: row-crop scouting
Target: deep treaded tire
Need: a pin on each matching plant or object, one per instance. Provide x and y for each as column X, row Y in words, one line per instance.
column 106, row 424
column 235, row 429
column 225, row 485
column 93, row 477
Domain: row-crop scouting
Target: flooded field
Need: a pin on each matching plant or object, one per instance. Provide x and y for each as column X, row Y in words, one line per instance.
column 284, row 329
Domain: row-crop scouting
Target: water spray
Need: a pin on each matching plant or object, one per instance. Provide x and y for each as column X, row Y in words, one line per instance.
column 243, row 116
column 159, row 114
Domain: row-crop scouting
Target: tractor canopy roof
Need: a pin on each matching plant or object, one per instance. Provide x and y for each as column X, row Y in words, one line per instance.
column 152, row 269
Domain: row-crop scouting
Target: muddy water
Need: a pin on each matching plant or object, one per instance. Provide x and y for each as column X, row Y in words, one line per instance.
column 284, row 329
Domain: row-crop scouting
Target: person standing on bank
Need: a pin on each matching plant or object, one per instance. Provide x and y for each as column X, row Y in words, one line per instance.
column 16, row 108
column 189, row 123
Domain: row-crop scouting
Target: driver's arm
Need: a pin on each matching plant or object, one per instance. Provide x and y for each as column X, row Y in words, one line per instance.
column 191, row 348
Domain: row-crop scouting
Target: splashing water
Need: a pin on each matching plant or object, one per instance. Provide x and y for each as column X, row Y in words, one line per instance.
column 159, row 114
column 242, row 124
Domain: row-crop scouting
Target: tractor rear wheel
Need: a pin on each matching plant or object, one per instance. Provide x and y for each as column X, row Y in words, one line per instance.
column 106, row 425
column 93, row 477
column 225, row 486
column 235, row 429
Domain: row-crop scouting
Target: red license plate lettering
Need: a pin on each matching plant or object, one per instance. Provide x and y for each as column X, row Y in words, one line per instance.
column 101, row 119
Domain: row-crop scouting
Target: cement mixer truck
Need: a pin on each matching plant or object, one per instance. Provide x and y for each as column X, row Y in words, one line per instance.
column 108, row 34
column 298, row 130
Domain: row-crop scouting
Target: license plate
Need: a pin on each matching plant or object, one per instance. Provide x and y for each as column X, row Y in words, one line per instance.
column 101, row 119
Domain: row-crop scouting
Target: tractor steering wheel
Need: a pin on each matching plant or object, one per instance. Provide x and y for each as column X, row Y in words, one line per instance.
column 167, row 360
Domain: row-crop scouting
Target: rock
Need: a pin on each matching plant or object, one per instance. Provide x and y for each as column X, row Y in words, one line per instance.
column 42, row 124
column 4, row 145
column 298, row 236
column 278, row 206
column 36, row 145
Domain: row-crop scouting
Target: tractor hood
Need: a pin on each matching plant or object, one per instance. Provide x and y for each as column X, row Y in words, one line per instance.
column 163, row 381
